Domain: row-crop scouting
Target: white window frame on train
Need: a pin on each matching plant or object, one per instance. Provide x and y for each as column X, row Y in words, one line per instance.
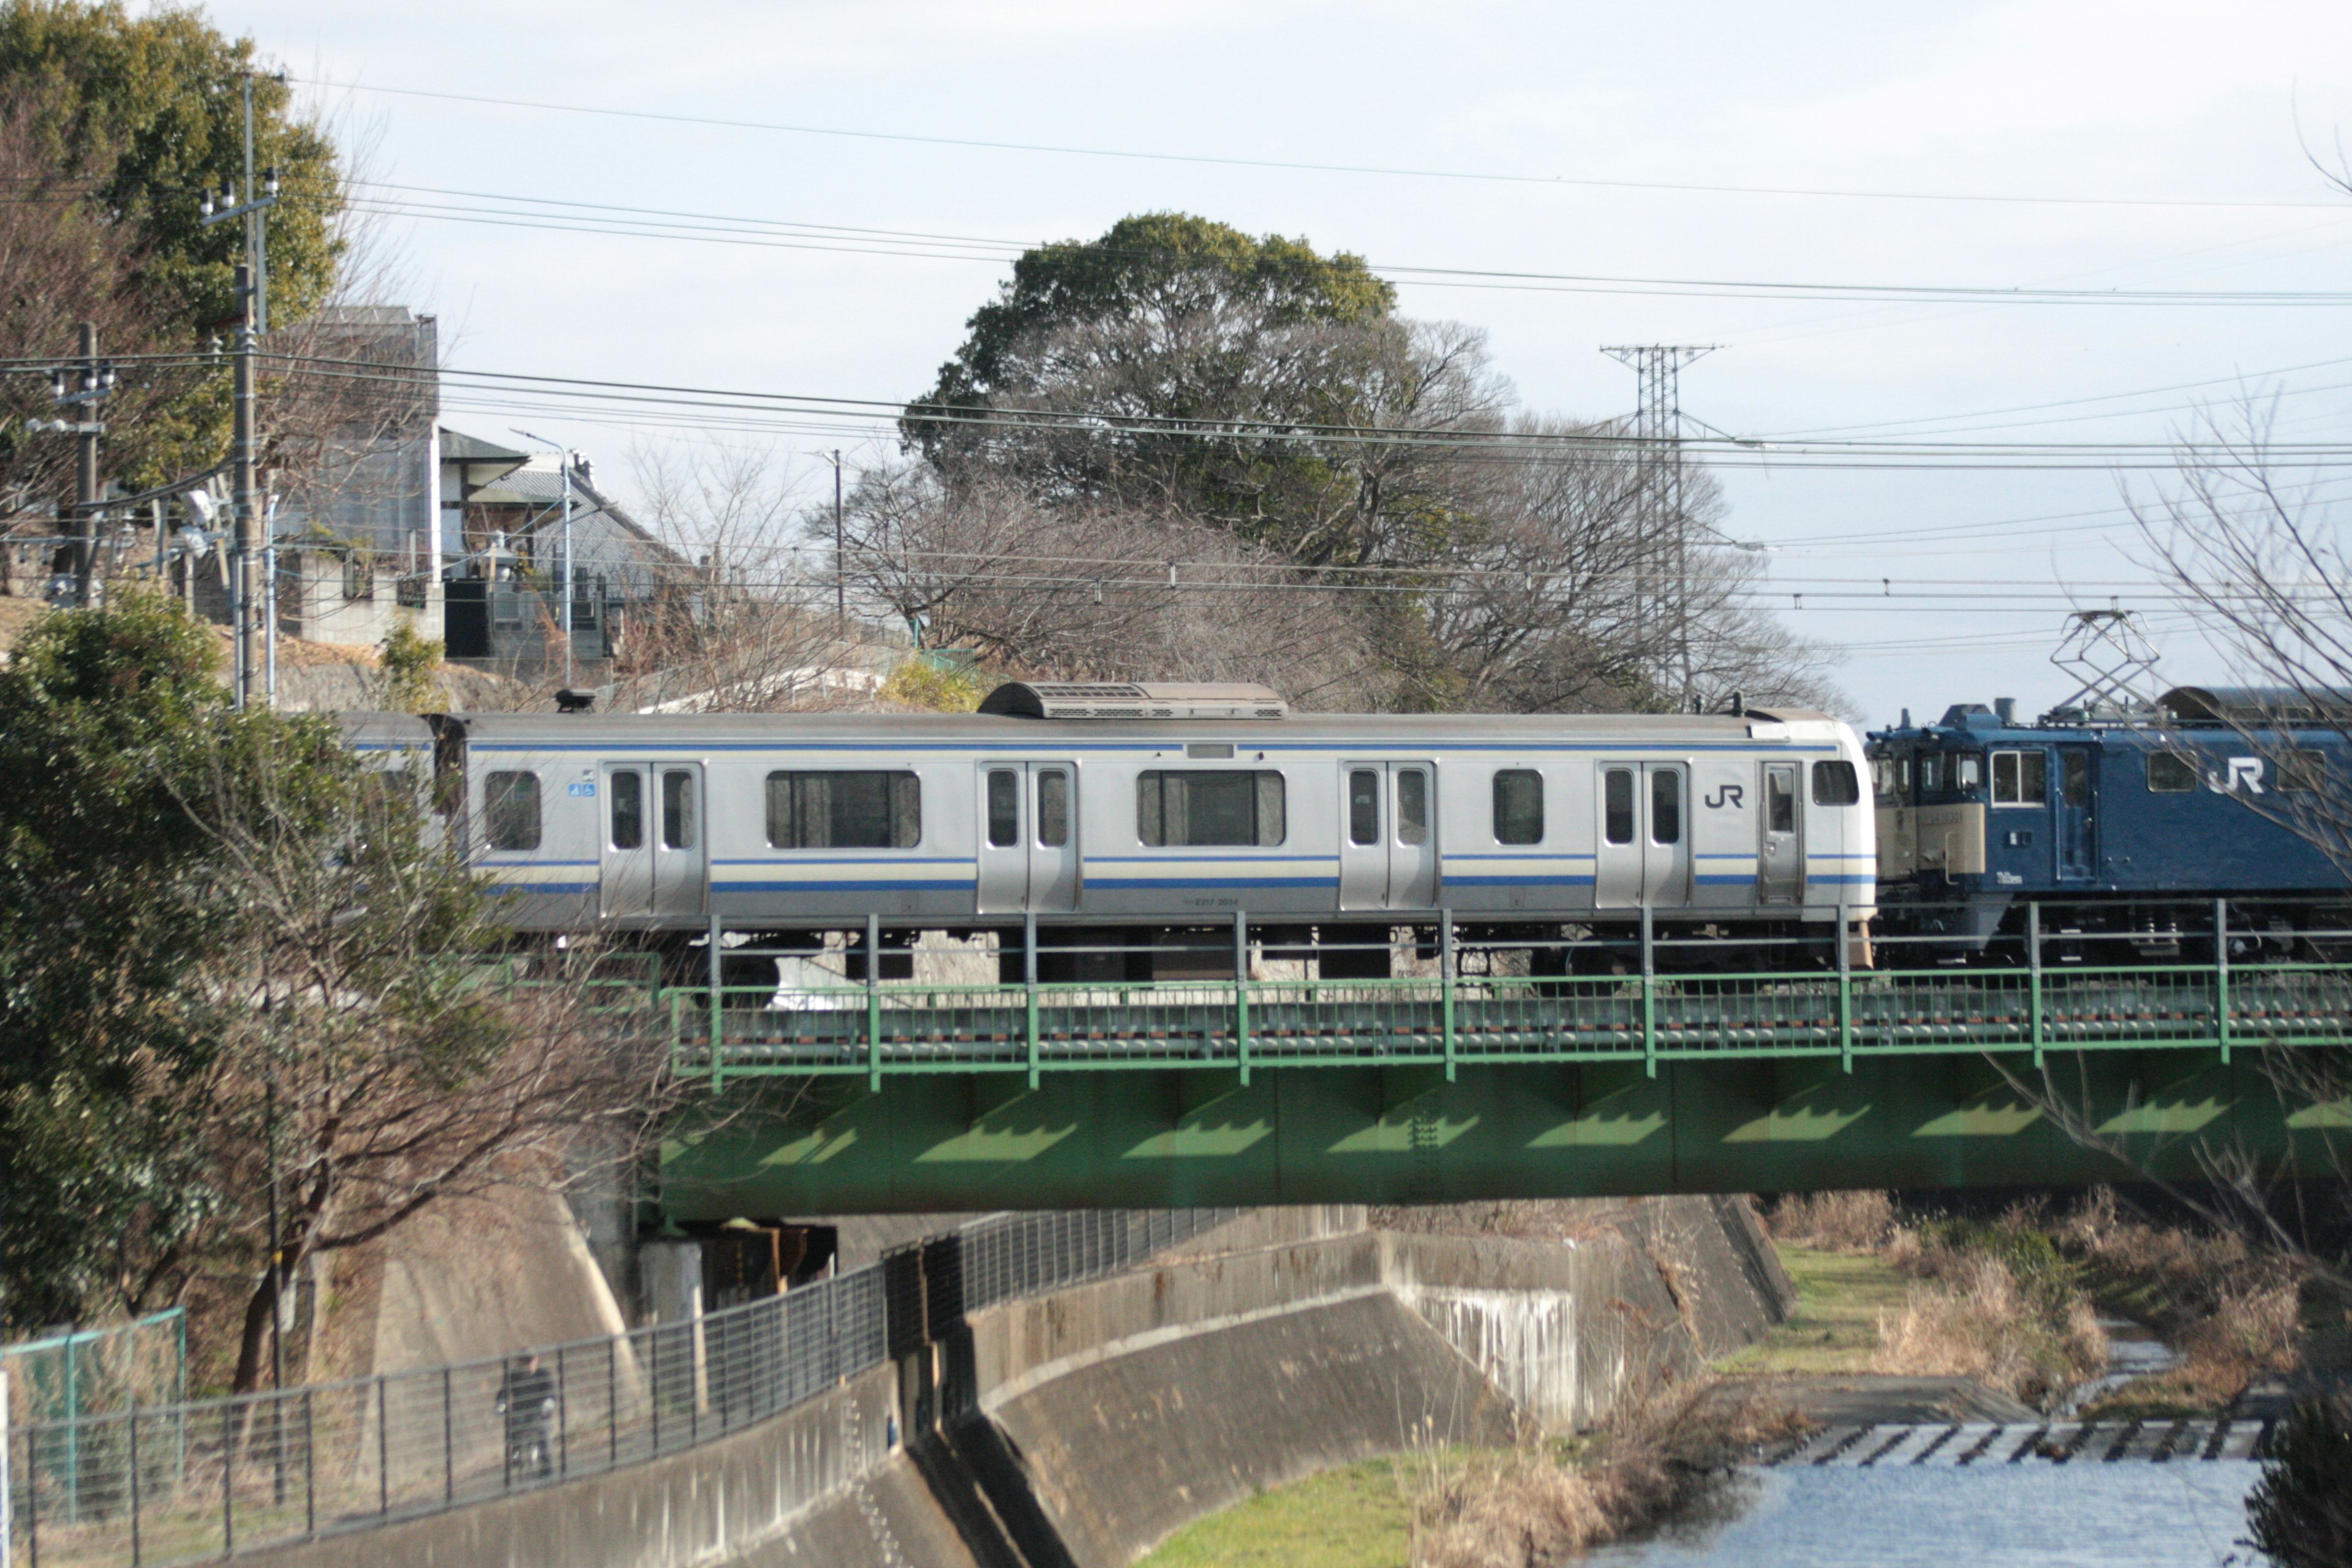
column 2020, row 764
column 1269, row 808
column 902, row 810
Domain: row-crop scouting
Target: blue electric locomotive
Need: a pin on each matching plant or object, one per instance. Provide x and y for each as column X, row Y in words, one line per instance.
column 2128, row 833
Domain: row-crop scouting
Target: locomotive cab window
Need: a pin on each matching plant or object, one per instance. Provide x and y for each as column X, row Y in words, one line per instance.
column 861, row 810
column 1931, row 774
column 1834, row 784
column 2020, row 778
column 511, row 810
column 2169, row 772
column 1518, row 806
column 1239, row 808
column 2300, row 771
column 1967, row 771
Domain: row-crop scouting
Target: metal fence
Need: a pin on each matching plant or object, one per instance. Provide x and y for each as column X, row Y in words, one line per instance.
column 75, row 1372
column 190, row 1482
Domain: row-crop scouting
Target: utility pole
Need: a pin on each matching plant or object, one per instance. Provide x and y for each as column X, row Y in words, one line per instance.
column 1658, row 426
column 563, row 472
column 82, row 386
column 840, row 577
column 85, row 478
column 253, row 320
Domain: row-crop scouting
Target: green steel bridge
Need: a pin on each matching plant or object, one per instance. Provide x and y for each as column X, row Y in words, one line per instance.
column 913, row 1095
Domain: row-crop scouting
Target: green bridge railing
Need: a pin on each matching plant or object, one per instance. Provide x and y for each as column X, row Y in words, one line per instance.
column 896, row 1027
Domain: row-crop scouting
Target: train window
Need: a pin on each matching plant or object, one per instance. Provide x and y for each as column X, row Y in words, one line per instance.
column 1780, row 801
column 2169, row 772
column 1666, row 806
column 1931, row 772
column 1882, row 780
column 2074, row 783
column 2300, row 773
column 1413, row 806
column 1967, row 771
column 2020, row 778
column 511, row 811
column 1003, row 808
column 1835, row 784
column 1617, row 806
column 677, row 809
column 844, row 810
column 628, row 810
column 1364, row 807
column 1054, row 809
column 1206, row 808
column 1518, row 806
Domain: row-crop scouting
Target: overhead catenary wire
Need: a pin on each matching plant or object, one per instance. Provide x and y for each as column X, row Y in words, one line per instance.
column 1302, row 165
column 610, row 218
column 1718, row 451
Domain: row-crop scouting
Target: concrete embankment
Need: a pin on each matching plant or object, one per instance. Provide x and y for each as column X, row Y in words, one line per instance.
column 1079, row 1428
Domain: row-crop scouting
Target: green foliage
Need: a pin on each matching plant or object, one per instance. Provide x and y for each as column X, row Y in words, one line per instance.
column 164, row 862
column 920, row 683
column 141, row 114
column 151, row 103
column 2301, row 1510
column 2052, row 1280
column 408, row 660
column 1171, row 263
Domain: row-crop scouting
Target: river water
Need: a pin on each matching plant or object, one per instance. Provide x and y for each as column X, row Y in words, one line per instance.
column 2186, row 1513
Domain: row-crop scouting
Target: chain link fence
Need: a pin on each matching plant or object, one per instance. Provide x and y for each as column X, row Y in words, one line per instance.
column 182, row 1482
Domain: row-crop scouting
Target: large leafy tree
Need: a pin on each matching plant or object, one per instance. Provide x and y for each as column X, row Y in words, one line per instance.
column 112, row 126
column 1249, row 381
column 229, row 953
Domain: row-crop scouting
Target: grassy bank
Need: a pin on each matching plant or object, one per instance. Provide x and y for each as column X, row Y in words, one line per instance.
column 2012, row 1302
column 1492, row 1508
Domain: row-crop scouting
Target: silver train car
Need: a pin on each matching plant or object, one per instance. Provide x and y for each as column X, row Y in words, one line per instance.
column 1156, row 805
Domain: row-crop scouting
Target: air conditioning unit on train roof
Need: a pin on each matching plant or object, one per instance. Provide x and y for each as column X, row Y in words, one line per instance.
column 1135, row 700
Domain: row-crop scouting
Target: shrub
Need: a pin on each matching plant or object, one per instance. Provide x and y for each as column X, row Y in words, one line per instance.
column 2301, row 1510
column 1859, row 1221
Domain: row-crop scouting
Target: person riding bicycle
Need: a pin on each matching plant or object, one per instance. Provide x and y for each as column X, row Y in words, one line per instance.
column 527, row 1400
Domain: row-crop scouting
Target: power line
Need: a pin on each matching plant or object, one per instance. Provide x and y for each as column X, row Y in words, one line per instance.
column 1295, row 165
column 714, row 228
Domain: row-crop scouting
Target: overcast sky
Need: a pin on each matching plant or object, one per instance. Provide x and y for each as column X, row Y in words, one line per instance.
column 2178, row 122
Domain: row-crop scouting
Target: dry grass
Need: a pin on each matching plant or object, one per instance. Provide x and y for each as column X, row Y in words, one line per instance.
column 1858, row 1221
column 2230, row 1312
column 1655, row 1459
column 1976, row 1318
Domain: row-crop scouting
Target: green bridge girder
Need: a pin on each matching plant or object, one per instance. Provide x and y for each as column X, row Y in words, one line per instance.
column 906, row 1096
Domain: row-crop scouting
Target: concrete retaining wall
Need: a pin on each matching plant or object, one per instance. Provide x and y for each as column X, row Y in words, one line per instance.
column 1077, row 1430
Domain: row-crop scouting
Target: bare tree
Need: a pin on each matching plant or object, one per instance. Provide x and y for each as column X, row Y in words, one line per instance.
column 1100, row 589
column 367, row 1066
column 748, row 627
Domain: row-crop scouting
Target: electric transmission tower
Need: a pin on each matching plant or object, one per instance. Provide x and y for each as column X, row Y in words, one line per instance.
column 1666, row 519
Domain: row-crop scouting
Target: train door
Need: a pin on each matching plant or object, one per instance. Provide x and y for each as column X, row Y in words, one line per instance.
column 653, row 861
column 2077, row 848
column 625, row 882
column 1780, row 844
column 1643, row 848
column 1029, row 837
column 1388, row 843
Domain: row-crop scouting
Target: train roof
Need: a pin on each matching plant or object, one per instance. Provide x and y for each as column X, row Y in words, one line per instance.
column 656, row 729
